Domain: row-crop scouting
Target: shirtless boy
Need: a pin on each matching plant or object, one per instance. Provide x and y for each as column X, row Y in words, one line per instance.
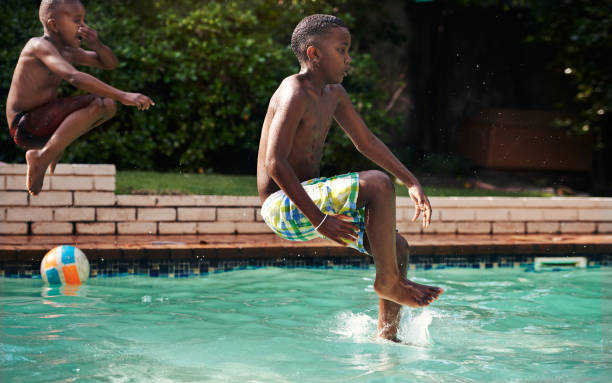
column 39, row 121
column 355, row 209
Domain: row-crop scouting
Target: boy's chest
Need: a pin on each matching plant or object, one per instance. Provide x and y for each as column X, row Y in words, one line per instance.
column 319, row 114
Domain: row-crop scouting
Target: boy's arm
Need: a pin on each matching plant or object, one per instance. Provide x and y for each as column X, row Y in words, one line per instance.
column 100, row 55
column 373, row 148
column 51, row 58
column 281, row 133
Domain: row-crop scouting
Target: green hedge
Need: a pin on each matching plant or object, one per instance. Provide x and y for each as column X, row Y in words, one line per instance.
column 210, row 67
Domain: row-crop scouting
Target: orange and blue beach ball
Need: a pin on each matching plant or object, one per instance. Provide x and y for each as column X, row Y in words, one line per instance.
column 64, row 265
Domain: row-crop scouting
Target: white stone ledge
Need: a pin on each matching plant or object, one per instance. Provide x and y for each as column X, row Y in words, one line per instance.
column 227, row 201
column 29, row 214
column 595, row 215
column 20, row 169
column 13, row 198
column 137, row 228
column 82, row 198
column 513, row 202
column 136, row 200
column 63, row 169
column 178, row 200
column 18, row 182
column 51, row 198
column 178, row 227
column 13, row 228
column 70, row 182
column 95, row 228
column 604, row 228
column 88, row 205
column 104, row 183
column 52, row 228
column 74, row 214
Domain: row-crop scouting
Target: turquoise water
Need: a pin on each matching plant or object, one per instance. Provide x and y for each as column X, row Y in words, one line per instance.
column 308, row 325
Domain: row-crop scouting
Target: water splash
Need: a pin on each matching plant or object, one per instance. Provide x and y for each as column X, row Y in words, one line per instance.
column 414, row 327
column 358, row 327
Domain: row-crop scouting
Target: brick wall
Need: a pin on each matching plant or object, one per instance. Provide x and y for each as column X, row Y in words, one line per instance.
column 80, row 199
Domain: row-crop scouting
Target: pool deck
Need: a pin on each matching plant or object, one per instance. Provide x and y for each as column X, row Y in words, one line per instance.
column 22, row 248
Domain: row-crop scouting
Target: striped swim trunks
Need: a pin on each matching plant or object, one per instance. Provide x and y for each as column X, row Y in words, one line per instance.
column 335, row 195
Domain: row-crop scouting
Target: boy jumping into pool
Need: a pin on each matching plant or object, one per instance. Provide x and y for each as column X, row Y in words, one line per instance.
column 355, row 209
column 39, row 121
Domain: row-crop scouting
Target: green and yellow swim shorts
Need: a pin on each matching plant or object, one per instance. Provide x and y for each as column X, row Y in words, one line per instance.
column 335, row 195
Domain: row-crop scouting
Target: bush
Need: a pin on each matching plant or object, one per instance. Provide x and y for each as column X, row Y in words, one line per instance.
column 210, row 66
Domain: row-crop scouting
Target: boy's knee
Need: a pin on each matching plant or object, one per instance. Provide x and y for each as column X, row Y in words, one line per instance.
column 110, row 106
column 379, row 181
column 103, row 106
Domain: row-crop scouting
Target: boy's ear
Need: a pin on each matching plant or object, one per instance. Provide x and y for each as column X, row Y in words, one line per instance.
column 312, row 53
column 52, row 24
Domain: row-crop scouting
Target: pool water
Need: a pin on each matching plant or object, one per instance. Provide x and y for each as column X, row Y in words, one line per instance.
column 308, row 325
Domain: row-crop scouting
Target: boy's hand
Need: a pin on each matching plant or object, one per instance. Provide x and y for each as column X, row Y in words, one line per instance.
column 90, row 36
column 421, row 204
column 338, row 229
column 136, row 99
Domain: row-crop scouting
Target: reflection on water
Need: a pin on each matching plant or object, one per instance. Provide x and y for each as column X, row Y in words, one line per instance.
column 69, row 290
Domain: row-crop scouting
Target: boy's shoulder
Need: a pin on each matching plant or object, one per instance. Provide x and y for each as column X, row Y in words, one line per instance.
column 291, row 89
column 38, row 42
column 36, row 45
column 297, row 86
column 294, row 83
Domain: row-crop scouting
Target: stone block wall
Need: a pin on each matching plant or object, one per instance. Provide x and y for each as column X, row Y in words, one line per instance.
column 80, row 199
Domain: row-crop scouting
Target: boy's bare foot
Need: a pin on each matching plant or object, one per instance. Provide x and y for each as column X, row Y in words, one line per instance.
column 36, row 171
column 407, row 293
column 432, row 290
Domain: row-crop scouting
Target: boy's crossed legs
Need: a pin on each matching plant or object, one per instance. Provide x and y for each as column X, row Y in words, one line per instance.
column 390, row 251
column 47, row 130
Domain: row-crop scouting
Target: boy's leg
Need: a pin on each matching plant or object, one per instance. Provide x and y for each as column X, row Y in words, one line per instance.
column 388, row 311
column 97, row 111
column 377, row 195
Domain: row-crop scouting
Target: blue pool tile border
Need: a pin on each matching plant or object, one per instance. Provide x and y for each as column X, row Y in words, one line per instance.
column 157, row 268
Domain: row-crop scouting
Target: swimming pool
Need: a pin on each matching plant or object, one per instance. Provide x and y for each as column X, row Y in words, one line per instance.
column 308, row 325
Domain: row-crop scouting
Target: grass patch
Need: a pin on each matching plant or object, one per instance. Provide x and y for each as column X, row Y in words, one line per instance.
column 141, row 182
column 456, row 192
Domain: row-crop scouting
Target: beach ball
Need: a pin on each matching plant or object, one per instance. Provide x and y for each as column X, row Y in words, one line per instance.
column 64, row 265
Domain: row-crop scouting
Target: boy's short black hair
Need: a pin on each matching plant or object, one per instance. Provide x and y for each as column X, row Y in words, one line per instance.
column 48, row 7
column 308, row 28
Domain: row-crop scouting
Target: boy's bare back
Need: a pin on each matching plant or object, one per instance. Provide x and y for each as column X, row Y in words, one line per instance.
column 312, row 111
column 33, row 83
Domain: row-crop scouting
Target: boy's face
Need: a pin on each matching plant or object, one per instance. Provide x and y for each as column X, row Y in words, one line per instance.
column 335, row 60
column 68, row 19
